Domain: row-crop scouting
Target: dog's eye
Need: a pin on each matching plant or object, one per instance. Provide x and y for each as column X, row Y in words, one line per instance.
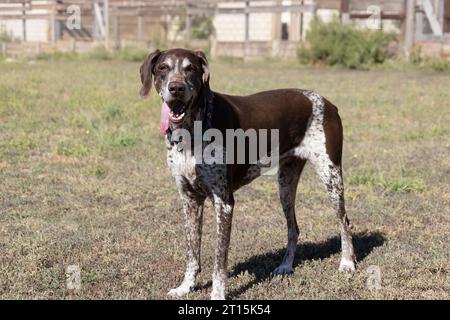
column 163, row 67
column 189, row 68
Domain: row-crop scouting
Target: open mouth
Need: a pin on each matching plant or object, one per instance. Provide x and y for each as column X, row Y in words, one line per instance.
column 176, row 113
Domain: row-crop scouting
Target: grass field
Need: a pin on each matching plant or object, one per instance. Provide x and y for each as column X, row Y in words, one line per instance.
column 84, row 182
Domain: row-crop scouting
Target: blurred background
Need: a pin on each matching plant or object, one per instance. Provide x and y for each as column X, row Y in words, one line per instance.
column 229, row 28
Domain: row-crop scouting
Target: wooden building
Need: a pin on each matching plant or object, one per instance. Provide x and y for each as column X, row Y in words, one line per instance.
column 242, row 28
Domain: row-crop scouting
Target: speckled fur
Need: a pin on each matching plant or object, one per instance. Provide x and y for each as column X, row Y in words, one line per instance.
column 197, row 181
column 313, row 148
column 310, row 137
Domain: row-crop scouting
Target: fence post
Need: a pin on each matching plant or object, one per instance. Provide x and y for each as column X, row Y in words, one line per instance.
column 345, row 12
column 106, row 21
column 294, row 27
column 409, row 25
column 53, row 27
column 24, row 22
column 116, row 29
column 139, row 28
column 247, row 29
column 276, row 29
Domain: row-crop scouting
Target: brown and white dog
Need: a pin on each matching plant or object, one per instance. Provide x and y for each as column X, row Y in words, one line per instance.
column 309, row 129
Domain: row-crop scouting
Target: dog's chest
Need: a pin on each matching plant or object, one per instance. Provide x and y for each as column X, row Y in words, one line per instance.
column 205, row 178
column 182, row 164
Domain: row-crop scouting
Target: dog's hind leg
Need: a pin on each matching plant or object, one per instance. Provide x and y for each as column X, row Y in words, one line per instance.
column 322, row 146
column 331, row 176
column 193, row 211
column 288, row 175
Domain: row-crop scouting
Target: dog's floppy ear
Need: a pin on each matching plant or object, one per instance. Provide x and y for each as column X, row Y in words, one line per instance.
column 205, row 76
column 146, row 72
column 204, row 61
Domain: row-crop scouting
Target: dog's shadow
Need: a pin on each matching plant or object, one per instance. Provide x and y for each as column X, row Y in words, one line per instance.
column 262, row 265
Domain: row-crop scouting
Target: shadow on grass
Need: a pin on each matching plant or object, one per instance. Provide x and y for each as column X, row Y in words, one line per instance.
column 261, row 266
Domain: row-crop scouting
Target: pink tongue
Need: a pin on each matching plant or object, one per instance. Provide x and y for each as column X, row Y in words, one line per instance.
column 164, row 124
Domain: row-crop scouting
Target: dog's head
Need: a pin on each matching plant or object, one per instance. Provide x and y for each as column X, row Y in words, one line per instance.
column 180, row 76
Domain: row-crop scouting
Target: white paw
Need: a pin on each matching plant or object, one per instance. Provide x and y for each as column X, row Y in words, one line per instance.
column 347, row 265
column 282, row 269
column 218, row 296
column 180, row 291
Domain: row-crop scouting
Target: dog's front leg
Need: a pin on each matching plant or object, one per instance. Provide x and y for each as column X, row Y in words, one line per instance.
column 193, row 211
column 224, row 213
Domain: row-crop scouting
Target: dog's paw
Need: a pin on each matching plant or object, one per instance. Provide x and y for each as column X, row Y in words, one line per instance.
column 347, row 265
column 218, row 296
column 282, row 269
column 180, row 291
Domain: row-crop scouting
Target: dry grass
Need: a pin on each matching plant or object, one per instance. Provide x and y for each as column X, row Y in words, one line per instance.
column 84, row 181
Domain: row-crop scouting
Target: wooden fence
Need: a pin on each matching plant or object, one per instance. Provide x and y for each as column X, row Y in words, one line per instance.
column 142, row 22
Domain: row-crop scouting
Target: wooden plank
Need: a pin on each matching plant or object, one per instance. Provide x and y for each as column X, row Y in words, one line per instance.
column 446, row 16
column 15, row 1
column 145, row 12
column 214, row 2
column 385, row 5
column 28, row 16
column 41, row 6
column 328, row 4
column 253, row 9
column 388, row 16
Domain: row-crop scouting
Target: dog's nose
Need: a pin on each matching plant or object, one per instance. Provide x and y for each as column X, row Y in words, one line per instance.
column 176, row 87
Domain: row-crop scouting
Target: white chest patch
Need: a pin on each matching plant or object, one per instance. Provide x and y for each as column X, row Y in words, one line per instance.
column 210, row 178
column 181, row 164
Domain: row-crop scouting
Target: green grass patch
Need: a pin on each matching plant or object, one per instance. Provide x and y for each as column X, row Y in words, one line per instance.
column 98, row 171
column 122, row 139
column 24, row 143
column 113, row 113
column 58, row 55
column 406, row 184
column 422, row 135
column 440, row 65
column 401, row 184
column 131, row 53
column 66, row 149
column 100, row 53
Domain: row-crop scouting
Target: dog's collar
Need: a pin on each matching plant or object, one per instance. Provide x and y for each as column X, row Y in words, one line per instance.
column 207, row 124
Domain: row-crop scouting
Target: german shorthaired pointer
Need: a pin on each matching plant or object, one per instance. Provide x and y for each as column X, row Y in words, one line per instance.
column 309, row 129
